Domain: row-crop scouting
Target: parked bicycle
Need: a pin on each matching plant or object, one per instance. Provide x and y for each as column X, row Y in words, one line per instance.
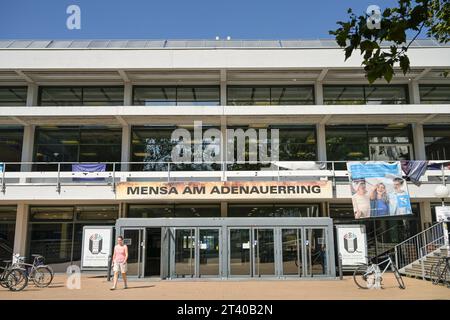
column 13, row 278
column 366, row 276
column 440, row 271
column 41, row 274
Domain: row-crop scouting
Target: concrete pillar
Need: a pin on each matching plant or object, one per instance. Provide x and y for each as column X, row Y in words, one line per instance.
column 414, row 93
column 128, row 94
column 223, row 146
column 425, row 214
column 419, row 141
column 20, row 235
column 321, row 142
column 27, row 147
column 223, row 209
column 32, row 95
column 126, row 147
column 223, row 87
column 318, row 92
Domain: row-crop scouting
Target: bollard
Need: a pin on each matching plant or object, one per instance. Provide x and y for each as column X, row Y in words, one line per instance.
column 108, row 277
column 340, row 267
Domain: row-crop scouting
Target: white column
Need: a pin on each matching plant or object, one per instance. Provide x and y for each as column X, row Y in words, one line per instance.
column 20, row 235
column 414, row 94
column 318, row 92
column 223, row 87
column 27, row 147
column 426, row 218
column 126, row 147
column 128, row 94
column 419, row 141
column 223, row 146
column 32, row 95
column 223, row 209
column 321, row 142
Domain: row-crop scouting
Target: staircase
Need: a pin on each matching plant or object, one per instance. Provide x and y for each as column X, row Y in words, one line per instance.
column 415, row 256
column 422, row 268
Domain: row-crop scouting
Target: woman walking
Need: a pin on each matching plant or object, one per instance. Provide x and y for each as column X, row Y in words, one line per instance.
column 120, row 258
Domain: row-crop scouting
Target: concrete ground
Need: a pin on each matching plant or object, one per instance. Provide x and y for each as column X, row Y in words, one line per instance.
column 96, row 287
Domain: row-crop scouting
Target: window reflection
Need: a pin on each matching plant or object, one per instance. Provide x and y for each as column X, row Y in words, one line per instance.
column 176, row 96
column 81, row 96
column 437, row 142
column 13, row 96
column 273, row 95
column 434, row 94
column 356, row 94
column 77, row 144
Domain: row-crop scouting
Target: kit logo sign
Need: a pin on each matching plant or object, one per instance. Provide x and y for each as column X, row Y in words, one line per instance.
column 224, row 190
column 95, row 243
column 350, row 242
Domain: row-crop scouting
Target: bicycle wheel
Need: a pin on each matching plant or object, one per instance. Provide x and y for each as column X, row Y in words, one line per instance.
column 42, row 276
column 399, row 278
column 16, row 279
column 436, row 272
column 364, row 276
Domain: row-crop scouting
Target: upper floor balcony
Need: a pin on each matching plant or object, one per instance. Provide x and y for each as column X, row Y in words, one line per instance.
column 46, row 181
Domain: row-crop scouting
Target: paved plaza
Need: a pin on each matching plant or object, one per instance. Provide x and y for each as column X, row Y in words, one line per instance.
column 96, row 287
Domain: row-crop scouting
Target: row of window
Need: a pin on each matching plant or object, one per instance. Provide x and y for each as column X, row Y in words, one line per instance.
column 153, row 145
column 237, row 95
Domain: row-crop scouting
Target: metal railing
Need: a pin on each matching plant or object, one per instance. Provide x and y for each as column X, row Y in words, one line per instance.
column 58, row 173
column 419, row 246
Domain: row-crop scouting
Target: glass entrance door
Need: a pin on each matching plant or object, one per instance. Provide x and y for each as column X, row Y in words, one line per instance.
column 135, row 240
column 264, row 252
column 209, row 252
column 185, row 253
column 239, row 252
column 292, row 252
column 316, row 252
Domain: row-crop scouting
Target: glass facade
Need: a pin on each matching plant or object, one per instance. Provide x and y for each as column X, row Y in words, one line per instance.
column 7, row 231
column 153, row 145
column 270, row 95
column 13, row 96
column 361, row 94
column 176, row 96
column 80, row 96
column 273, row 210
column 296, row 143
column 437, row 141
column 56, row 232
column 173, row 210
column 369, row 142
column 77, row 144
column 434, row 94
column 11, row 146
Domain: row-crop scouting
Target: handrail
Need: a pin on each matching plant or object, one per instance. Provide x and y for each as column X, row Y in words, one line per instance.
column 421, row 232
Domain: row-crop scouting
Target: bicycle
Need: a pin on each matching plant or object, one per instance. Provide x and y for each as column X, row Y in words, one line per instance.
column 41, row 274
column 367, row 276
column 13, row 278
column 440, row 271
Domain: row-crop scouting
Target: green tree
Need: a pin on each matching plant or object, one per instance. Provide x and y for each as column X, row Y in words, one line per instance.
column 416, row 16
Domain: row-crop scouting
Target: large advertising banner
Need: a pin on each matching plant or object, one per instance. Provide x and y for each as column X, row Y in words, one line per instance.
column 352, row 244
column 236, row 190
column 378, row 189
column 96, row 247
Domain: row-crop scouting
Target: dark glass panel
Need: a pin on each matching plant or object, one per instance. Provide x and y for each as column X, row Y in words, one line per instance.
column 197, row 210
column 434, row 94
column 102, row 96
column 437, row 142
column 13, row 96
column 51, row 213
column 150, row 211
column 154, row 96
column 97, row 212
column 11, row 147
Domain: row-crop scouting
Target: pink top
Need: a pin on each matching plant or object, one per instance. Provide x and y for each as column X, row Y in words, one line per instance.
column 120, row 253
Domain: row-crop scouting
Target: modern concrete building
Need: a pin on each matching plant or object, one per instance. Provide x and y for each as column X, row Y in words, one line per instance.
column 66, row 104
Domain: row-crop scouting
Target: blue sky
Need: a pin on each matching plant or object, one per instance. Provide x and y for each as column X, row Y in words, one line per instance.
column 177, row 19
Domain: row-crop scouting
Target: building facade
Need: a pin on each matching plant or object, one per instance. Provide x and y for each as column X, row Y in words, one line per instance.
column 116, row 104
